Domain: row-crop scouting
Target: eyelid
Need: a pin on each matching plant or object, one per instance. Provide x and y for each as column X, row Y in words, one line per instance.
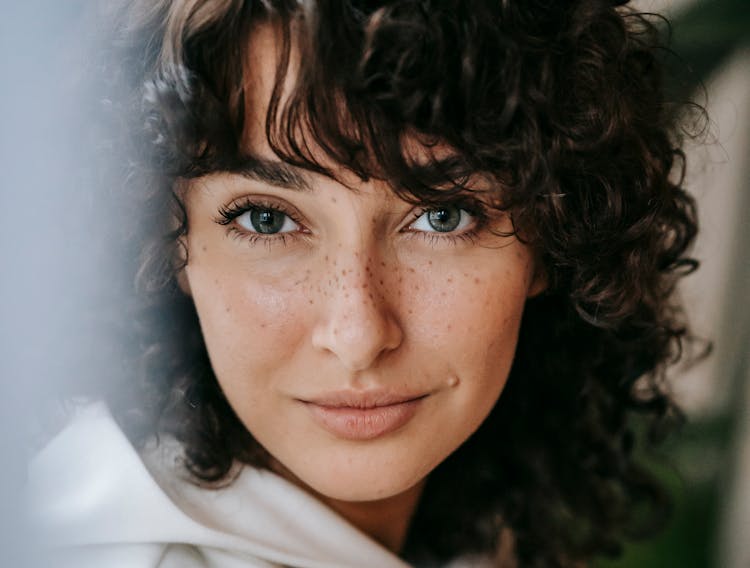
column 467, row 223
column 475, row 208
column 229, row 212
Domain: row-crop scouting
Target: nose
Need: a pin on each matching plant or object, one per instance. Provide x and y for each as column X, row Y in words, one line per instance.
column 357, row 325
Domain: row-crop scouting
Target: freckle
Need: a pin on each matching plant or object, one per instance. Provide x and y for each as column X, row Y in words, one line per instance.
column 477, row 281
column 311, row 302
column 381, row 282
column 371, row 297
column 333, row 200
column 203, row 248
column 416, row 287
column 442, row 294
column 346, row 295
column 335, row 263
column 335, row 331
column 263, row 326
column 365, row 286
column 450, row 280
column 326, row 258
column 228, row 309
column 410, row 312
column 450, row 327
column 382, row 263
column 216, row 281
column 343, row 272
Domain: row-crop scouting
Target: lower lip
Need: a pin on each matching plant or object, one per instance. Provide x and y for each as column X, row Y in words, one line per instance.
column 363, row 423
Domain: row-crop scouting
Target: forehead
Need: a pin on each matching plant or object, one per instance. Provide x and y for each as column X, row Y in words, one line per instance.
column 264, row 53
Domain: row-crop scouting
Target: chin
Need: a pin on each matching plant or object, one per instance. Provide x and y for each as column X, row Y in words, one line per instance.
column 347, row 482
column 355, row 491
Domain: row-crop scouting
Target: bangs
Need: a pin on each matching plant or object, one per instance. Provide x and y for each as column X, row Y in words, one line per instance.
column 354, row 90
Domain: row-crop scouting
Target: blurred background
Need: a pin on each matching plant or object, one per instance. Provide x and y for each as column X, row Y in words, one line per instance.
column 45, row 280
column 707, row 466
column 47, row 271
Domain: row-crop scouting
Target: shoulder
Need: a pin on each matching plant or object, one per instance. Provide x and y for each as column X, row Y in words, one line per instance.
column 92, row 502
column 89, row 479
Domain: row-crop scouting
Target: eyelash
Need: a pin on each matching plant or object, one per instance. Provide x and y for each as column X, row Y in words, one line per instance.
column 472, row 206
column 228, row 213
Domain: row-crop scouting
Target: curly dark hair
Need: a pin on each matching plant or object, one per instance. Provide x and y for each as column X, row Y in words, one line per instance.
column 562, row 104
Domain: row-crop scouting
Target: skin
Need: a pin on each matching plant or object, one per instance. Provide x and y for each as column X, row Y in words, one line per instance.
column 359, row 294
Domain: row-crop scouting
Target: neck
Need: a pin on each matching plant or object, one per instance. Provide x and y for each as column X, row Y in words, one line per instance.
column 385, row 520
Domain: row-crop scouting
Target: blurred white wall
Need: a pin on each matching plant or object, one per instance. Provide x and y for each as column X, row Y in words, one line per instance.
column 718, row 294
column 43, row 279
column 667, row 7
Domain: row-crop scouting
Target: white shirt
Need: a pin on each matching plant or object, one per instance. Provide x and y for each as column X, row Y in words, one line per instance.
column 98, row 503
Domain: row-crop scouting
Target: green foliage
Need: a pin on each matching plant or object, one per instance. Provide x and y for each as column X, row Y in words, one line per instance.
column 706, row 34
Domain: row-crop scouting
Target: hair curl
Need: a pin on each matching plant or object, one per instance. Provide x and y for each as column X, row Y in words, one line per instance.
column 562, row 104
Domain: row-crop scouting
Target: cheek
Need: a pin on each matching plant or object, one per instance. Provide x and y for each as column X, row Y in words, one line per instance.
column 466, row 322
column 468, row 311
column 247, row 322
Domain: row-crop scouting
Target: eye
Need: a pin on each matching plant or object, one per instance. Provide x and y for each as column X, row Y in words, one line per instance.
column 266, row 221
column 443, row 219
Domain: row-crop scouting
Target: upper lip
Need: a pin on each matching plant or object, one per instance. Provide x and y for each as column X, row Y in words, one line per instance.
column 362, row 399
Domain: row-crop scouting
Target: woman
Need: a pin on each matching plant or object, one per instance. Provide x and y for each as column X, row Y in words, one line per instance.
column 405, row 275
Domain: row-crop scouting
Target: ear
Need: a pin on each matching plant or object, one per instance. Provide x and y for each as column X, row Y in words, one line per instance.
column 180, row 264
column 184, row 282
column 181, row 251
column 539, row 281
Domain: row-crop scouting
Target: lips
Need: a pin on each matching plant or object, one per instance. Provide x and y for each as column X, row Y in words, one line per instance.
column 363, row 416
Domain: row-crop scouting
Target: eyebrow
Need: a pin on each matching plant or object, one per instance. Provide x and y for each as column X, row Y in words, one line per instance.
column 275, row 173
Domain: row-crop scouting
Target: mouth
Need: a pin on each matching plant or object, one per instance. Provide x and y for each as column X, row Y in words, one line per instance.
column 363, row 416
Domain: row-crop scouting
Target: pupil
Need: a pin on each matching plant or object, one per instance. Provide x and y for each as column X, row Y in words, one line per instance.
column 445, row 219
column 267, row 221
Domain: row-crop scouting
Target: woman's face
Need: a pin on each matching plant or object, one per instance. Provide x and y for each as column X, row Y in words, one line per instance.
column 360, row 339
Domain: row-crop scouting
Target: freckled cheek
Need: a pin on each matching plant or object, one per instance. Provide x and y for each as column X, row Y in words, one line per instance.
column 463, row 306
